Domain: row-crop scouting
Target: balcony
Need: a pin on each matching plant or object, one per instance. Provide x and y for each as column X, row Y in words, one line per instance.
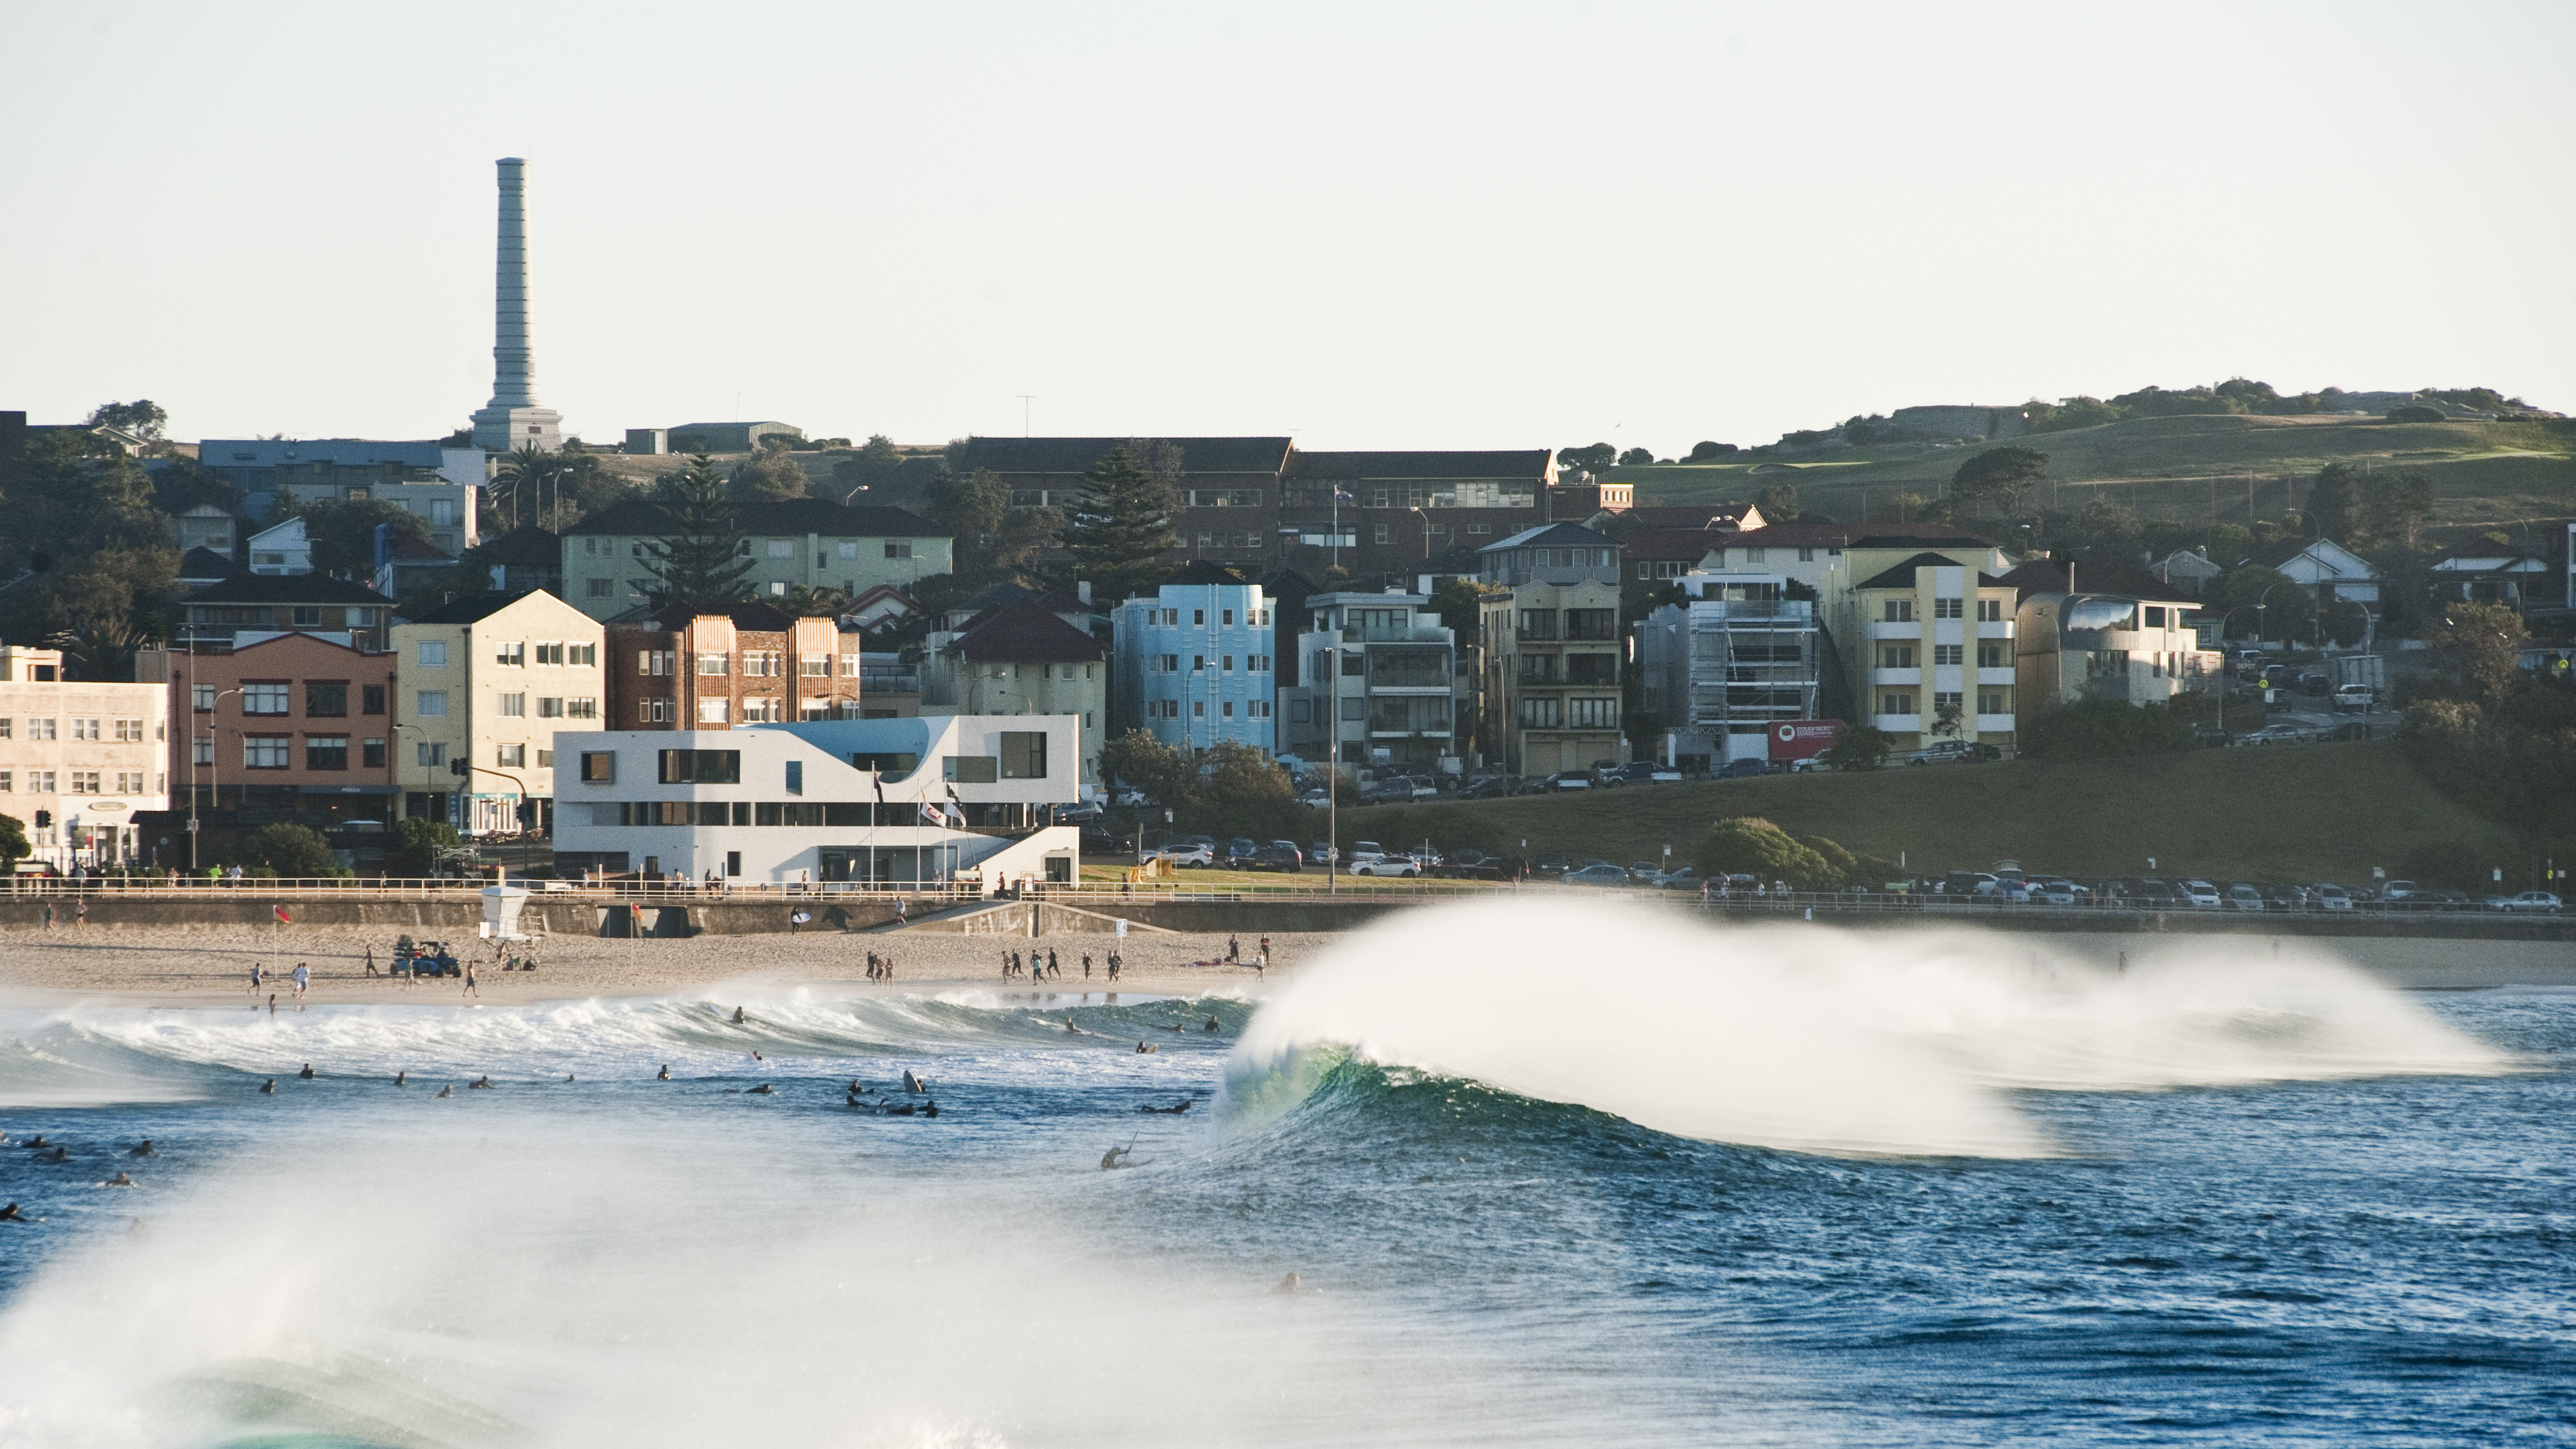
column 1908, row 629
column 1413, row 634
column 1800, row 609
column 1909, row 678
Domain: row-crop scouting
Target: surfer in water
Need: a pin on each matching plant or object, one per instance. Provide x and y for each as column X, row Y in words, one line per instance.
column 142, row 1149
column 402, row 1079
column 763, row 1090
column 269, row 1086
column 912, row 1083
column 1144, row 1046
column 306, row 1074
column 120, row 1180
column 1213, row 1025
column 1172, row 1111
column 1110, row 1158
column 739, row 1018
column 10, row 1214
column 664, row 1075
column 448, row 1091
column 485, row 1083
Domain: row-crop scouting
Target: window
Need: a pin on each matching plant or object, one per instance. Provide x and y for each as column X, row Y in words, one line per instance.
column 851, row 664
column 514, row 654
column 1990, row 611
column 326, row 698
column 898, row 548
column 306, row 618
column 599, row 767
column 265, row 752
column 1024, row 755
column 1994, row 701
column 701, row 767
column 326, row 752
column 2155, row 615
column 1227, row 709
column 1753, row 555
column 1895, row 656
column 373, row 756
column 205, row 750
column 200, row 698
column 714, row 664
column 653, row 711
column 1991, row 655
column 715, row 711
column 510, row 757
column 1900, row 611
column 1944, row 699
column 599, row 588
column 1167, row 664
column 1542, row 714
column 846, row 548
column 549, row 707
column 371, row 699
column 1591, row 623
column 130, row 731
column 1592, row 714
column 1198, row 709
column 782, row 548
column 760, row 663
column 430, row 755
column 1225, row 664
column 40, row 782
column 655, row 661
column 8, row 782
column 129, row 782
column 582, row 707
column 1252, row 664
column 510, row 706
column 1538, row 624
column 1592, row 669
column 43, row 729
column 264, row 699
column 1385, row 534
column 760, row 711
column 84, row 729
column 1898, row 701
column 550, row 653
column 814, row 666
column 429, row 703
column 84, row 782
column 433, row 653
column 1807, row 555
column 970, row 769
column 1948, row 654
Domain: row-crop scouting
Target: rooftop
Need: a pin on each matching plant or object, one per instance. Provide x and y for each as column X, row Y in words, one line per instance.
column 1902, row 576
column 1076, row 455
column 1025, row 632
column 286, row 589
column 472, row 608
column 343, row 452
column 643, row 516
column 1553, row 535
column 2049, row 576
column 1528, row 463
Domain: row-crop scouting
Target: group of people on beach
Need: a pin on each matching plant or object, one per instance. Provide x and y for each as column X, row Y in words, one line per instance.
column 302, row 976
column 880, row 968
column 1049, row 968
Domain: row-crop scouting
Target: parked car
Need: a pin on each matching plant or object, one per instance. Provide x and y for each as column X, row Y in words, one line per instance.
column 1492, row 787
column 2314, row 682
column 2539, row 901
column 1740, row 769
column 1394, row 865
column 2154, row 894
column 2279, row 734
column 1240, row 851
column 2056, row 891
column 1570, row 780
column 1322, row 853
column 1680, row 878
column 2243, row 897
column 1128, row 797
column 1968, row 883
column 1188, row 855
column 1648, row 772
column 1279, row 855
column 1953, row 752
column 1553, row 862
column 2201, row 895
column 1316, row 799
column 2285, row 897
column 1365, row 850
column 1599, row 873
column 2356, row 699
column 2331, row 897
column 1388, row 792
column 1811, row 765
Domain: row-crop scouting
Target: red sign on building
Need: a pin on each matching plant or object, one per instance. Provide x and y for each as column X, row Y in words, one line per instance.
column 1803, row 739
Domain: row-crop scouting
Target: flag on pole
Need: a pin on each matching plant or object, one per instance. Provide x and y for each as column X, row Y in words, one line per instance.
column 879, row 781
column 283, row 918
column 956, row 811
column 930, row 811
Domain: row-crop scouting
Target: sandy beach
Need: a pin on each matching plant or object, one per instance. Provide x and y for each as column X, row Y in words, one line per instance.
column 195, row 966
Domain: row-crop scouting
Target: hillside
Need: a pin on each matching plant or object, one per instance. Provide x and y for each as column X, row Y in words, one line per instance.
column 2303, row 813
column 2189, row 469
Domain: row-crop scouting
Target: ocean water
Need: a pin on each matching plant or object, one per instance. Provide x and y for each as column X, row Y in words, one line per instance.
column 1546, row 1175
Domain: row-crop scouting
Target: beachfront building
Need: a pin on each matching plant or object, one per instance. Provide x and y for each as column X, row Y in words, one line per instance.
column 1726, row 665
column 1379, row 685
column 290, row 727
column 715, row 666
column 2122, row 637
column 896, row 802
column 1197, row 661
column 485, row 683
column 1022, row 658
column 1929, row 642
column 1551, row 632
column 78, row 758
column 794, row 543
column 245, row 607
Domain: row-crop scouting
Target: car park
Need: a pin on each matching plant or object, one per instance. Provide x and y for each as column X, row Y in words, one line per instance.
column 2243, row 897
column 2055, row 891
column 1680, row 878
column 2331, row 897
column 1240, row 851
column 2541, row 902
column 1599, row 873
column 1403, row 866
column 1365, row 850
column 1323, row 853
column 1953, row 752
column 2200, row 894
column 1570, row 780
column 1968, row 883
column 2286, row 897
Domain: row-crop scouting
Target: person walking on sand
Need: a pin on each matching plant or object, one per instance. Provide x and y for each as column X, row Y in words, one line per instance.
column 471, row 989
column 303, row 978
column 902, row 910
column 254, row 978
column 49, row 915
column 1233, row 951
column 272, row 1003
column 1086, row 965
column 80, row 914
column 1052, row 970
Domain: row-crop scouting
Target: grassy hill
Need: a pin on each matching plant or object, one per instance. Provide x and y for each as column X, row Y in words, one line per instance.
column 2297, row 813
column 2188, row 469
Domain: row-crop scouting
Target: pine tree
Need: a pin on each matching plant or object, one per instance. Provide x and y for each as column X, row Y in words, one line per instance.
column 1121, row 525
column 702, row 558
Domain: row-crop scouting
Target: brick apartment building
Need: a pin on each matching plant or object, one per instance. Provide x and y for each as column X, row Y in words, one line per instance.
column 712, row 667
column 293, row 727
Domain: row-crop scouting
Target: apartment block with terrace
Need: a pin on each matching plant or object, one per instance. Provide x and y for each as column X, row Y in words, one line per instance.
column 1552, row 646
column 485, row 683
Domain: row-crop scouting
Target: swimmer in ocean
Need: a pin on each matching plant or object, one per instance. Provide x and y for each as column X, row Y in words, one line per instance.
column 448, row 1091
column 664, row 1075
column 10, row 1214
column 307, row 1073
column 142, row 1149
column 1144, row 1046
column 761, row 1091
column 269, row 1086
column 120, row 1180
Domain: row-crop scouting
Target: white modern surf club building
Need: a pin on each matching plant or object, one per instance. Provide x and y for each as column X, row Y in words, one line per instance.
column 893, row 803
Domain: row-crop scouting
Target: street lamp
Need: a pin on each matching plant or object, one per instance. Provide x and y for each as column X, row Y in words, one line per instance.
column 1426, row 533
column 215, row 740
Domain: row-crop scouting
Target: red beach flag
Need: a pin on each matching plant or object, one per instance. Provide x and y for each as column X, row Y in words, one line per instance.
column 283, row 918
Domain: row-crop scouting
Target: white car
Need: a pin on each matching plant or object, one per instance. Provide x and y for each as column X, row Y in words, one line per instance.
column 2242, row 897
column 2332, row 897
column 2541, row 901
column 1188, row 855
column 1127, row 797
column 1391, row 865
column 2202, row 895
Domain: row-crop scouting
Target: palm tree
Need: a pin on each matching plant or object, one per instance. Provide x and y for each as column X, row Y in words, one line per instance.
column 527, row 470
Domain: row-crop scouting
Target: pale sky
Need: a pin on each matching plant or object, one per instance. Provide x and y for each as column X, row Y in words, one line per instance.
column 1373, row 226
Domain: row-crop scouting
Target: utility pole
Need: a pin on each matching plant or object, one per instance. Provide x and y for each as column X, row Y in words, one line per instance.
column 1026, row 399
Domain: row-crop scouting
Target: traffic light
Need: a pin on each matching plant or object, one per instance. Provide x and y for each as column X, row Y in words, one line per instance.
column 44, row 819
column 459, row 768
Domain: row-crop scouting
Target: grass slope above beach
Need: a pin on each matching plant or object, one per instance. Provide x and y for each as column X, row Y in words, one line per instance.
column 2287, row 813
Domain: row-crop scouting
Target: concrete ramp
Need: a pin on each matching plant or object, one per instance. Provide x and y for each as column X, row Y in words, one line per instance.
column 1028, row 919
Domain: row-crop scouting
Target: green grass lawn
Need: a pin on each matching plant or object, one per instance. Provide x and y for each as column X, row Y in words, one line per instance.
column 2285, row 813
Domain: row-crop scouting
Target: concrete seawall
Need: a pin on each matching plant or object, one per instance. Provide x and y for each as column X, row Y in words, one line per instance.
column 455, row 919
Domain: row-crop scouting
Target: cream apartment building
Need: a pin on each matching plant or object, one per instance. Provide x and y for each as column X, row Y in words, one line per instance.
column 79, row 758
column 1928, row 645
column 484, row 683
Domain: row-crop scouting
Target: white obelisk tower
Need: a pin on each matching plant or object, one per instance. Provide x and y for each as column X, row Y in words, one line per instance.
column 514, row 418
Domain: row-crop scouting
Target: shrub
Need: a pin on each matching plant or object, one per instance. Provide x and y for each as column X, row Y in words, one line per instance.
column 1750, row 845
column 418, row 844
column 294, row 851
column 2099, row 728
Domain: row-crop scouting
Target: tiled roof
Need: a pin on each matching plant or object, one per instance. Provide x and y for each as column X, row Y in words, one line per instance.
column 473, row 608
column 1711, row 517
column 748, row 615
column 1506, row 463
column 1553, row 535
column 1076, row 455
column 344, row 452
column 205, row 563
column 527, row 545
column 1902, row 576
column 1026, row 632
column 285, row 589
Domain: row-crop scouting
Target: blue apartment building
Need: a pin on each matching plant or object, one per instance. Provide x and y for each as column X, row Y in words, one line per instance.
column 1196, row 662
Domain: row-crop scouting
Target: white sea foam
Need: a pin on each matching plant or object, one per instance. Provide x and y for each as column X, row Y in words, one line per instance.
column 1815, row 1039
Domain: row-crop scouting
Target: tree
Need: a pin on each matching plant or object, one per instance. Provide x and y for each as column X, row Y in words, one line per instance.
column 2480, row 647
column 1140, row 761
column 770, row 475
column 1591, row 459
column 2330, row 501
column 2006, row 473
column 1919, row 508
column 2099, row 728
column 1945, row 718
column 419, row 843
column 13, row 841
column 521, row 481
column 704, row 557
column 872, row 467
column 1778, row 502
column 2276, row 607
column 1750, row 845
column 1121, row 525
column 1707, row 452
column 1636, row 458
column 343, row 534
column 1460, row 603
column 971, row 507
column 295, row 852
column 2391, row 508
column 142, row 417
column 1860, row 747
